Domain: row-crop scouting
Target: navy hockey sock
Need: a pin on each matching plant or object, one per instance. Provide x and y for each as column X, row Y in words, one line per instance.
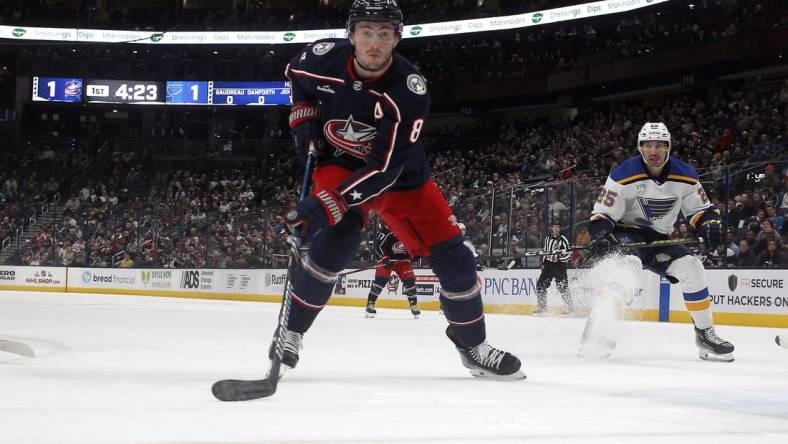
column 466, row 321
column 311, row 291
column 377, row 287
column 314, row 279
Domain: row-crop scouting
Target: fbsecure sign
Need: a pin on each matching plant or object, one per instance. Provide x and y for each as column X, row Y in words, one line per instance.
column 743, row 291
column 555, row 15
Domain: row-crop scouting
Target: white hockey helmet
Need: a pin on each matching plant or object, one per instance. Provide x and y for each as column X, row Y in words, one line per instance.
column 654, row 131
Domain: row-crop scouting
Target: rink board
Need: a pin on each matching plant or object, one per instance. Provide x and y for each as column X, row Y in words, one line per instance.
column 740, row 297
column 756, row 297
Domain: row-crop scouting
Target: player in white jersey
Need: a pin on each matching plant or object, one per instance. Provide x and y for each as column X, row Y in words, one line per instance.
column 641, row 201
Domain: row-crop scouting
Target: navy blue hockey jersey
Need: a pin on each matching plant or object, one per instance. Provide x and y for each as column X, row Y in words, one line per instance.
column 388, row 246
column 373, row 126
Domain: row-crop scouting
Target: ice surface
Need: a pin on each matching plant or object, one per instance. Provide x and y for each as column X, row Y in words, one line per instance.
column 114, row 369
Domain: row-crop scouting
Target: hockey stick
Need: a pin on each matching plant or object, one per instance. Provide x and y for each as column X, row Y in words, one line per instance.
column 369, row 267
column 781, row 340
column 18, row 348
column 659, row 243
column 244, row 390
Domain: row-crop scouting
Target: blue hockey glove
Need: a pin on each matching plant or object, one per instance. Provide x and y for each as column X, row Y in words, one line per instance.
column 711, row 232
column 315, row 213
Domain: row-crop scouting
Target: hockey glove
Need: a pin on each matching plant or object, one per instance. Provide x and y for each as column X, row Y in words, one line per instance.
column 603, row 245
column 315, row 213
column 711, row 232
column 307, row 130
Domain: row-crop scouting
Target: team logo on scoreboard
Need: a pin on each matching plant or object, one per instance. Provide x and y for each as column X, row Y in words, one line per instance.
column 350, row 136
column 322, row 48
column 73, row 88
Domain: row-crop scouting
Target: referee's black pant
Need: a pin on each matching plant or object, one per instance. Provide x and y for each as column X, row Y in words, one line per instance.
column 557, row 271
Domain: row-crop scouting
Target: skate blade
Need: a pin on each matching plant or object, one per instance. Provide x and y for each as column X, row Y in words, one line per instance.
column 370, row 315
column 481, row 373
column 415, row 315
column 709, row 356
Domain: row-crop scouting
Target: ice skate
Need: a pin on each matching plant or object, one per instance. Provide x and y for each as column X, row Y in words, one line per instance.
column 539, row 311
column 371, row 312
column 486, row 361
column 711, row 347
column 568, row 311
column 292, row 345
column 414, row 310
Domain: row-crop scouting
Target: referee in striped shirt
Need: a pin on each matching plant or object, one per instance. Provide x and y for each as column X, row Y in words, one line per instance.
column 554, row 267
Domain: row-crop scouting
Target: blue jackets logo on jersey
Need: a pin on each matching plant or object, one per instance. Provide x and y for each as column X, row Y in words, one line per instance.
column 350, row 136
column 656, row 208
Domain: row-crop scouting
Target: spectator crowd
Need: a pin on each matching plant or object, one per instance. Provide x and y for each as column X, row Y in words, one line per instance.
column 532, row 170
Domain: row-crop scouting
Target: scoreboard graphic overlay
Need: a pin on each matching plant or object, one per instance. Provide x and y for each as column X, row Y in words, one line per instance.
column 171, row 92
column 124, row 91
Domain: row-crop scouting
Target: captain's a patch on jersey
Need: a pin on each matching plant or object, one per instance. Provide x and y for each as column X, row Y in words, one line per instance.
column 417, row 84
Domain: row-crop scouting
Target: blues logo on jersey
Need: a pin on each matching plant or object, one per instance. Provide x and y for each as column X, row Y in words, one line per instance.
column 655, row 208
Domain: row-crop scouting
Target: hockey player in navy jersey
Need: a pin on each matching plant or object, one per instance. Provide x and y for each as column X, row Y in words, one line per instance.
column 641, row 201
column 363, row 106
column 392, row 257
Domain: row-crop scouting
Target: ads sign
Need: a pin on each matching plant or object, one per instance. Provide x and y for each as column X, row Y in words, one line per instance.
column 742, row 291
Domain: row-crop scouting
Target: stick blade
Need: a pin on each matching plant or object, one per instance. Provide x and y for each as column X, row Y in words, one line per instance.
column 781, row 340
column 240, row 390
column 18, row 348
